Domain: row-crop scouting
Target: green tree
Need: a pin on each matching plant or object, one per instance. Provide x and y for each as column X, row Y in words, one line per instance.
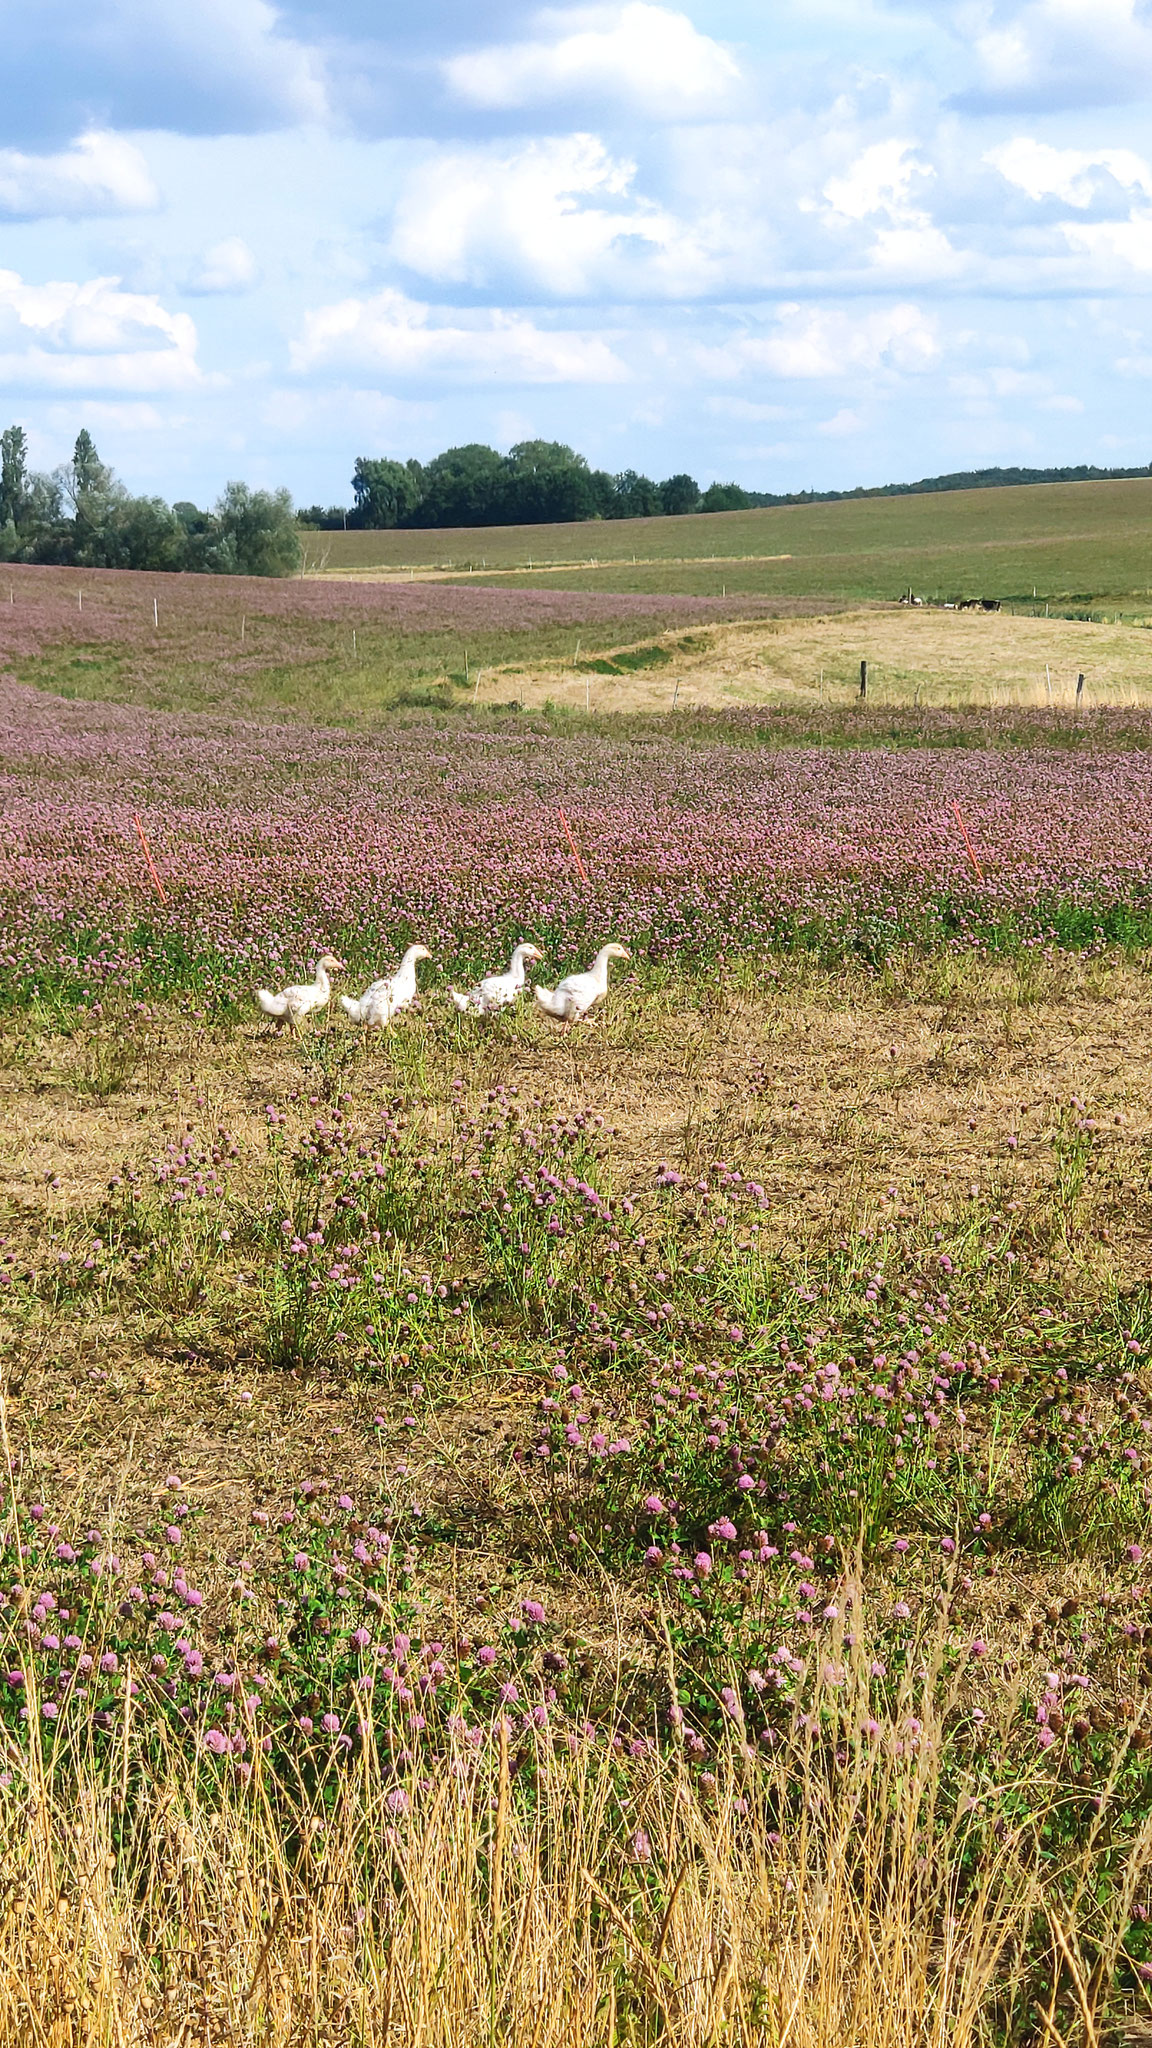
column 725, row 498
column 634, row 496
column 90, row 476
column 547, row 481
column 679, row 494
column 135, row 533
column 254, row 533
column 13, row 476
column 465, row 486
column 387, row 493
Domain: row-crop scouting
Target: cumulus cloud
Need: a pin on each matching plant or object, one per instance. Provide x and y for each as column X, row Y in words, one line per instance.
column 831, row 342
column 472, row 216
column 1074, row 176
column 92, row 336
column 652, row 58
column 228, row 266
column 878, row 188
column 1058, row 53
column 100, row 173
column 1113, row 245
column 1116, row 181
column 402, row 339
column 880, row 181
column 221, row 66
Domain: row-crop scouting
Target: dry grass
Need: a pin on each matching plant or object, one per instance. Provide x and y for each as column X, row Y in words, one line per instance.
column 934, row 659
column 842, row 1895
column 840, row 1892
column 832, row 1089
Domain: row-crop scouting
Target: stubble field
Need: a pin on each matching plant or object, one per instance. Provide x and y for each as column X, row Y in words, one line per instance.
column 631, row 1535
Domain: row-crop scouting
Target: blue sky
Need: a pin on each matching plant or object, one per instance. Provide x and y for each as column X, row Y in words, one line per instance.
column 820, row 243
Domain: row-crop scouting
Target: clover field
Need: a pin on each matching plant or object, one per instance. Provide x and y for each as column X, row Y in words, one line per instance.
column 641, row 1535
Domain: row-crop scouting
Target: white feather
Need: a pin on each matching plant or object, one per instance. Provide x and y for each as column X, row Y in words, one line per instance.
column 572, row 998
column 497, row 991
column 383, row 998
column 302, row 997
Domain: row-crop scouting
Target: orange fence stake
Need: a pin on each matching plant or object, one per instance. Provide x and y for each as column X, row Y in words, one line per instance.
column 148, row 857
column 575, row 850
column 968, row 842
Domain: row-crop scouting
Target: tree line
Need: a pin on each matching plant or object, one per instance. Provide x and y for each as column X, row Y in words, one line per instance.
column 545, row 482
column 81, row 516
column 537, row 483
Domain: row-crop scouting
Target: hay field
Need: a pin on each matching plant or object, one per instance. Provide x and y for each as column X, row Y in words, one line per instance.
column 915, row 657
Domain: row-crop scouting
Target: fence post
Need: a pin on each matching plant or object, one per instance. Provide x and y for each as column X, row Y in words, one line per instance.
column 863, row 678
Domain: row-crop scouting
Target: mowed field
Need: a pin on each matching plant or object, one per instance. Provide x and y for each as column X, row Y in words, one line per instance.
column 1089, row 543
column 637, row 1534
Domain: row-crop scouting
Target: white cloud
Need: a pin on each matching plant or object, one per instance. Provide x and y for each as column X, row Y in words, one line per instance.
column 879, row 186
column 228, row 266
column 1081, row 178
column 92, row 337
column 209, row 68
column 1071, row 175
column 651, row 57
column 841, row 424
column 1059, row 52
column 879, row 181
column 100, row 173
column 398, row 337
column 1113, row 244
column 998, row 381
column 469, row 216
column 727, row 407
column 817, row 341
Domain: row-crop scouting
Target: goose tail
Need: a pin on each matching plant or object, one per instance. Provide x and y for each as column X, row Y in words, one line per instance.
column 549, row 1000
column 460, row 1001
column 351, row 1007
column 272, row 1006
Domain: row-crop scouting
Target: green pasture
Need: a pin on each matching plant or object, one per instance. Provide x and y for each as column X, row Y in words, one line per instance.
column 310, row 668
column 1086, row 544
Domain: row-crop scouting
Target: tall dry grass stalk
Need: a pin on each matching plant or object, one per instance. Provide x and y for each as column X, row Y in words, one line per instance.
column 852, row 1891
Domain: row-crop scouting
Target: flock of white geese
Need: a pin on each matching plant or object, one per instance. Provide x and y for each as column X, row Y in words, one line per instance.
column 568, row 1002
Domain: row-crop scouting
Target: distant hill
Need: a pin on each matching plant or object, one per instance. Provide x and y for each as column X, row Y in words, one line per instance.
column 956, row 480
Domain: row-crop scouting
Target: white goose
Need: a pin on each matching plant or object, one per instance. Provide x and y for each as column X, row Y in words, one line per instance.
column 382, row 999
column 572, row 998
column 294, row 1003
column 497, row 991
